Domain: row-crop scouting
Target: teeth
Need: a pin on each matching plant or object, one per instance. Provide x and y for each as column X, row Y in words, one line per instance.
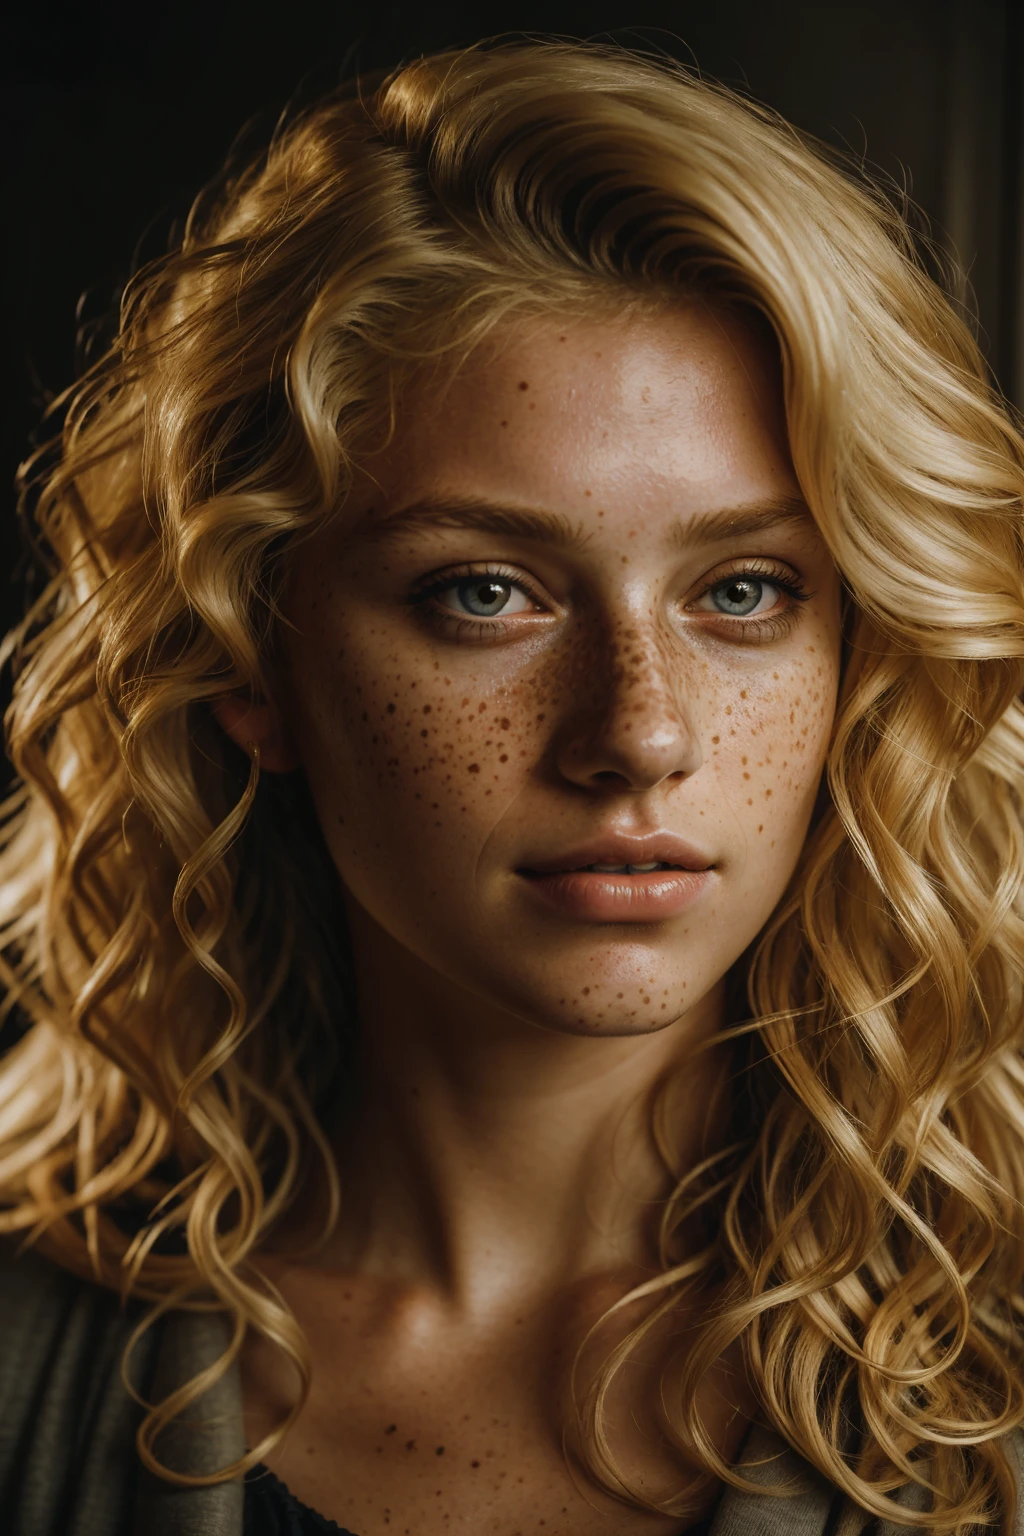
column 626, row 869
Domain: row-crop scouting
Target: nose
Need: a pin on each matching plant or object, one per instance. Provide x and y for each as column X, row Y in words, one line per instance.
column 631, row 726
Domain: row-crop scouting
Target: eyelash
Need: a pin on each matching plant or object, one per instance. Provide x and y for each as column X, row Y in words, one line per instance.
column 750, row 631
column 466, row 627
column 772, row 625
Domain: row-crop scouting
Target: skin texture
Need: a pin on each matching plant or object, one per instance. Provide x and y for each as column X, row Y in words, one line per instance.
column 500, row 1182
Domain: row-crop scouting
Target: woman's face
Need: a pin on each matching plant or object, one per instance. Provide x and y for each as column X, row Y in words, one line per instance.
column 576, row 614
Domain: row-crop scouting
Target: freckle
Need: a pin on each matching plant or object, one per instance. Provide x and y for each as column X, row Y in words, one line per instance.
column 541, row 717
column 427, row 708
column 761, row 827
column 504, row 423
column 473, row 768
column 728, row 709
column 586, row 493
column 743, row 693
column 524, row 385
column 715, row 740
column 424, row 732
column 410, row 1445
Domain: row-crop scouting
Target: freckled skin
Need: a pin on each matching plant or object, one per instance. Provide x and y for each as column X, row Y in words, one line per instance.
column 441, row 763
column 499, row 1167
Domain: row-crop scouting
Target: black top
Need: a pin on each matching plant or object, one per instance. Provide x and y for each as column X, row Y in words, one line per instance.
column 271, row 1509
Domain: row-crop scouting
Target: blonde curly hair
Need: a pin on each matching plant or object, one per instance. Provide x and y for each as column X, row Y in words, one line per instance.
column 170, row 917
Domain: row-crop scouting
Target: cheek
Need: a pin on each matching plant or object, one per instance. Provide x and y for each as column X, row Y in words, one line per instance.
column 412, row 755
column 769, row 745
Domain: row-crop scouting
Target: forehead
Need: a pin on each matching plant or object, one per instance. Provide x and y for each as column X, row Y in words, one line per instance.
column 683, row 404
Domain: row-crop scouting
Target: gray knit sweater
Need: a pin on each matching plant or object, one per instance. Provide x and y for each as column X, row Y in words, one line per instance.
column 68, row 1465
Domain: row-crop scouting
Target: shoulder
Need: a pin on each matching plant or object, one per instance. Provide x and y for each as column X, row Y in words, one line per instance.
column 67, row 1423
column 816, row 1507
column 68, row 1459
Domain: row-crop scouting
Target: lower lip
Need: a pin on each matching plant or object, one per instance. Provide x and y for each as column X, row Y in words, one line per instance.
column 598, row 898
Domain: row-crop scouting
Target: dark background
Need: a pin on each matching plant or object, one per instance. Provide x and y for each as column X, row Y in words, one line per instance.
column 114, row 114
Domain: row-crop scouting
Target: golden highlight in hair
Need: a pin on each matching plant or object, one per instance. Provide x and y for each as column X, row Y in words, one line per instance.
column 185, row 1014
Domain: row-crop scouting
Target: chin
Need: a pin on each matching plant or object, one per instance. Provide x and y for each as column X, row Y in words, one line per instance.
column 611, row 1027
column 567, row 1014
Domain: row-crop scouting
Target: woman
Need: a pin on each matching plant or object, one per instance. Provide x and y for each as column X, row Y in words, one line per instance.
column 515, row 899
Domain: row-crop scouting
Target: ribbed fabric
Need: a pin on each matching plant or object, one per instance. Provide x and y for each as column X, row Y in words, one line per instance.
column 67, row 1426
column 209, row 1436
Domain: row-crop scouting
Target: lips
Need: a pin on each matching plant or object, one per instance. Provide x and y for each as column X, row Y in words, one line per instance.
column 617, row 879
column 621, row 852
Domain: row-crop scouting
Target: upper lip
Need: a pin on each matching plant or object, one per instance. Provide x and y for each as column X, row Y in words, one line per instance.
column 621, row 848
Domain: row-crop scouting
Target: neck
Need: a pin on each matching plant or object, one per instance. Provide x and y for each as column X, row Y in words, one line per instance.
column 490, row 1158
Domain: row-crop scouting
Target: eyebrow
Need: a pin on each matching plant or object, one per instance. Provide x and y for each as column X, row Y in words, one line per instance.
column 740, row 521
column 558, row 531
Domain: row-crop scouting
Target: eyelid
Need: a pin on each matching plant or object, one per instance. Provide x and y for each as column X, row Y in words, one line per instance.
column 776, row 573
column 758, row 628
column 752, row 628
column 437, row 581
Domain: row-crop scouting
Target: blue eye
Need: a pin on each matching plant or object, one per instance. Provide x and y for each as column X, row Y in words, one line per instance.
column 484, row 597
column 742, row 595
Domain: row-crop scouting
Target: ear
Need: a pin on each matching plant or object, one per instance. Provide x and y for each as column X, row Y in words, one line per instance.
column 257, row 725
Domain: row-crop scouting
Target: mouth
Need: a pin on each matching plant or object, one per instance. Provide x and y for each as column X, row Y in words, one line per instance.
column 607, row 869
column 620, row 854
column 618, row 879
